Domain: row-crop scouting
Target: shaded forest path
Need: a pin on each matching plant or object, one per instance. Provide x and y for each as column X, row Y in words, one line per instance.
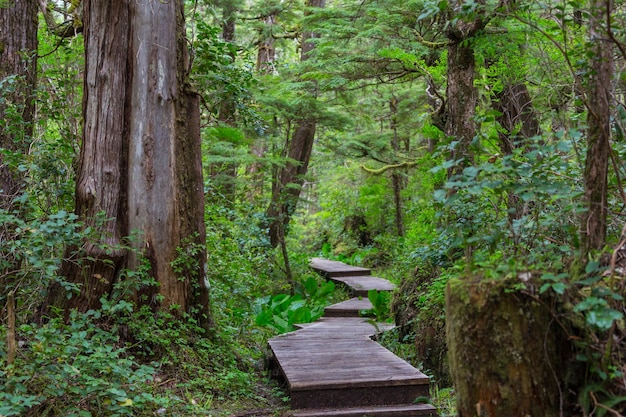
column 332, row 367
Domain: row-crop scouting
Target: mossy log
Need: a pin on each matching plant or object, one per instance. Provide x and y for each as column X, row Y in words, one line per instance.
column 508, row 356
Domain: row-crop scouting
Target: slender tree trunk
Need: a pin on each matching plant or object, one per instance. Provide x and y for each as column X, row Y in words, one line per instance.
column 518, row 121
column 140, row 161
column 396, row 177
column 286, row 190
column 266, row 54
column 227, row 113
column 18, row 53
column 594, row 221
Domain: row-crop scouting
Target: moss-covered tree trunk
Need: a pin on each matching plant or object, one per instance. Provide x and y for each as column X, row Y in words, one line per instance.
column 508, row 356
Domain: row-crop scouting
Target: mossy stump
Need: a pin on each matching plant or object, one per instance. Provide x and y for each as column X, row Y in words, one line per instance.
column 507, row 355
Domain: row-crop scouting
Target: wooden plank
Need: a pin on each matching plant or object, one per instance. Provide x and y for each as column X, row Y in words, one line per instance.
column 357, row 397
column 413, row 410
column 328, row 268
column 361, row 284
column 338, row 353
column 348, row 308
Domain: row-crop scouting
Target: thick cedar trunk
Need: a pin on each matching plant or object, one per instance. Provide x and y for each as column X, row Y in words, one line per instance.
column 101, row 171
column 594, row 221
column 165, row 188
column 288, row 183
column 18, row 52
column 140, row 160
column 508, row 355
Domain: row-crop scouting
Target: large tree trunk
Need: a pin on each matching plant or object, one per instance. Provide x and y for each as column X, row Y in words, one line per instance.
column 593, row 226
column 508, row 355
column 165, row 187
column 100, row 183
column 288, row 183
column 18, row 58
column 140, row 161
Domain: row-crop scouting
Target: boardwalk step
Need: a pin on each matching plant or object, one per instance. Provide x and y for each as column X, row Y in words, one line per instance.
column 359, row 285
column 334, row 363
column 329, row 269
column 348, row 308
column 332, row 367
column 413, row 410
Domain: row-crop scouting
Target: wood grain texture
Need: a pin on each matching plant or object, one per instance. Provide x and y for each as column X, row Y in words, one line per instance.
column 412, row 410
column 333, row 367
column 328, row 268
column 360, row 285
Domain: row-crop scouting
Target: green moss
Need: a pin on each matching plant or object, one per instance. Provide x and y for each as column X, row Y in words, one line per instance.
column 503, row 349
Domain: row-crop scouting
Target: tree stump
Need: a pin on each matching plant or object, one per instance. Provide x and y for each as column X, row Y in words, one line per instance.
column 508, row 356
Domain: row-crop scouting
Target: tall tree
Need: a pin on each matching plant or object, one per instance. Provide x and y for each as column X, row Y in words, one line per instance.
column 140, row 161
column 288, row 182
column 599, row 90
column 18, row 65
column 18, row 68
column 461, row 94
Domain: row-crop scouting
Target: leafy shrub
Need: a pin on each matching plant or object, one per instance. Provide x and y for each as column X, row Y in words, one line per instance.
column 281, row 312
column 380, row 310
column 75, row 369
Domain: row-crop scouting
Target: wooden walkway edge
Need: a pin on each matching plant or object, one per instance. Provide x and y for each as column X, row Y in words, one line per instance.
column 333, row 367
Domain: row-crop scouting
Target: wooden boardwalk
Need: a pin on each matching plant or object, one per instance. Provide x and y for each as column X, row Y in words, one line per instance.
column 333, row 367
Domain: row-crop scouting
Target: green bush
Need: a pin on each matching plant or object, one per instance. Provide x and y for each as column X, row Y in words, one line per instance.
column 75, row 369
column 281, row 312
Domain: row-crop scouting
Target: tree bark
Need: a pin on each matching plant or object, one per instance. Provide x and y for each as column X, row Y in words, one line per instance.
column 288, row 183
column 164, row 158
column 100, row 182
column 508, row 357
column 516, row 114
column 266, row 53
column 397, row 182
column 140, row 161
column 462, row 97
column 599, row 90
column 18, row 59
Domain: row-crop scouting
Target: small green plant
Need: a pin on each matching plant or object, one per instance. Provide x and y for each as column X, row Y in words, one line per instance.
column 380, row 310
column 282, row 311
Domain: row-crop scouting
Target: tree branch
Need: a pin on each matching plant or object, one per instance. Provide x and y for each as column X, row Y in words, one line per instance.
column 382, row 170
